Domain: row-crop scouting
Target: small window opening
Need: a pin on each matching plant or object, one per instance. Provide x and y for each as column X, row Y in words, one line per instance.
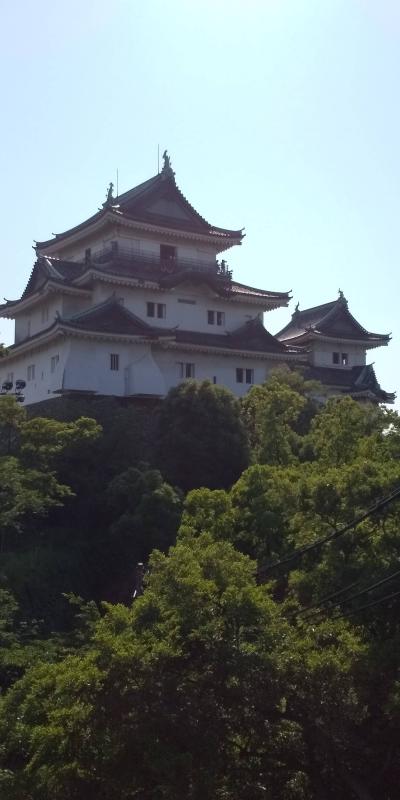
column 244, row 375
column 185, row 369
column 167, row 252
column 114, row 361
column 53, row 362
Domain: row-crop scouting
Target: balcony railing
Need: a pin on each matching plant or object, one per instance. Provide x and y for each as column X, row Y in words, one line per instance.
column 114, row 252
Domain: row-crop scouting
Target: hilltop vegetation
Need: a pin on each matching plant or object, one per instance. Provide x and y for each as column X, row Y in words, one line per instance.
column 262, row 659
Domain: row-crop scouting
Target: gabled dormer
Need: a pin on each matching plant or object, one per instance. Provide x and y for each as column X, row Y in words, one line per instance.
column 333, row 337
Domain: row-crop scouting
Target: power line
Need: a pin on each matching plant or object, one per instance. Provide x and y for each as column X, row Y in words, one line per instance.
column 368, row 605
column 300, row 551
column 326, row 599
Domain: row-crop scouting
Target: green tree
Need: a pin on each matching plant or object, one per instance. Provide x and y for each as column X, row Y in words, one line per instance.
column 271, row 412
column 343, row 427
column 28, row 483
column 201, row 440
column 196, row 691
column 144, row 514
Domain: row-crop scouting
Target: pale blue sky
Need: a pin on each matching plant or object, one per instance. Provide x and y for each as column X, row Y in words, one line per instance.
column 282, row 116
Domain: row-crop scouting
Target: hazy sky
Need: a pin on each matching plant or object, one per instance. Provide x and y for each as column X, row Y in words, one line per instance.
column 282, row 116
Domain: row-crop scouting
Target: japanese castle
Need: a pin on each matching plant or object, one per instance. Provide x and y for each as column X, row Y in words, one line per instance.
column 138, row 298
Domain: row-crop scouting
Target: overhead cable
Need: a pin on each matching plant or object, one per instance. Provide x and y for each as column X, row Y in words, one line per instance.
column 318, row 607
column 332, row 536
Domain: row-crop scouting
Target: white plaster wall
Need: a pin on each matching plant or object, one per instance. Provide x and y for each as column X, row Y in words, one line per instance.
column 88, row 366
column 84, row 365
column 321, row 354
column 71, row 304
column 45, row 383
column 34, row 315
column 65, row 305
column 76, row 251
column 187, row 316
column 144, row 376
column 150, row 370
column 222, row 367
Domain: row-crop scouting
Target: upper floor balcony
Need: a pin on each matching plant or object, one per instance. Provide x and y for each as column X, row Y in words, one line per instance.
column 166, row 262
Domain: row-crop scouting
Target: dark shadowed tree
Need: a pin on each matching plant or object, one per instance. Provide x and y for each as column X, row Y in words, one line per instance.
column 201, row 440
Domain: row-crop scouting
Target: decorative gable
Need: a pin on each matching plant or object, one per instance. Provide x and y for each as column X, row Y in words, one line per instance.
column 339, row 322
column 253, row 336
column 331, row 320
column 168, row 208
column 162, row 202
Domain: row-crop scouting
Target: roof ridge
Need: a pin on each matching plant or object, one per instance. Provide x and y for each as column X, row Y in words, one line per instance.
column 111, row 300
column 254, row 289
column 256, row 322
column 136, row 189
column 300, row 313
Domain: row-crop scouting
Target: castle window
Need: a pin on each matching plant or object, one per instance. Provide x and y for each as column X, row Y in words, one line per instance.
column 161, row 310
column 31, row 372
column 244, row 375
column 167, row 252
column 53, row 362
column 185, row 369
column 88, row 255
column 335, row 358
column 158, row 310
column 45, row 313
column 216, row 317
column 249, row 376
column 345, row 359
column 114, row 361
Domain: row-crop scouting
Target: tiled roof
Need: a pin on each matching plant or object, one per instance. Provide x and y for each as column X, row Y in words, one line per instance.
column 252, row 337
column 50, row 268
column 302, row 320
column 351, row 381
column 242, row 288
column 110, row 317
column 157, row 201
column 333, row 320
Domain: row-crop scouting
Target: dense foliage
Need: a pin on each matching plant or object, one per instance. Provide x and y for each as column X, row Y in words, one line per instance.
column 201, row 440
column 262, row 659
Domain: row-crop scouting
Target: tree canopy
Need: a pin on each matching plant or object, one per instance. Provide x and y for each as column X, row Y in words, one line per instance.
column 262, row 659
column 201, row 439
